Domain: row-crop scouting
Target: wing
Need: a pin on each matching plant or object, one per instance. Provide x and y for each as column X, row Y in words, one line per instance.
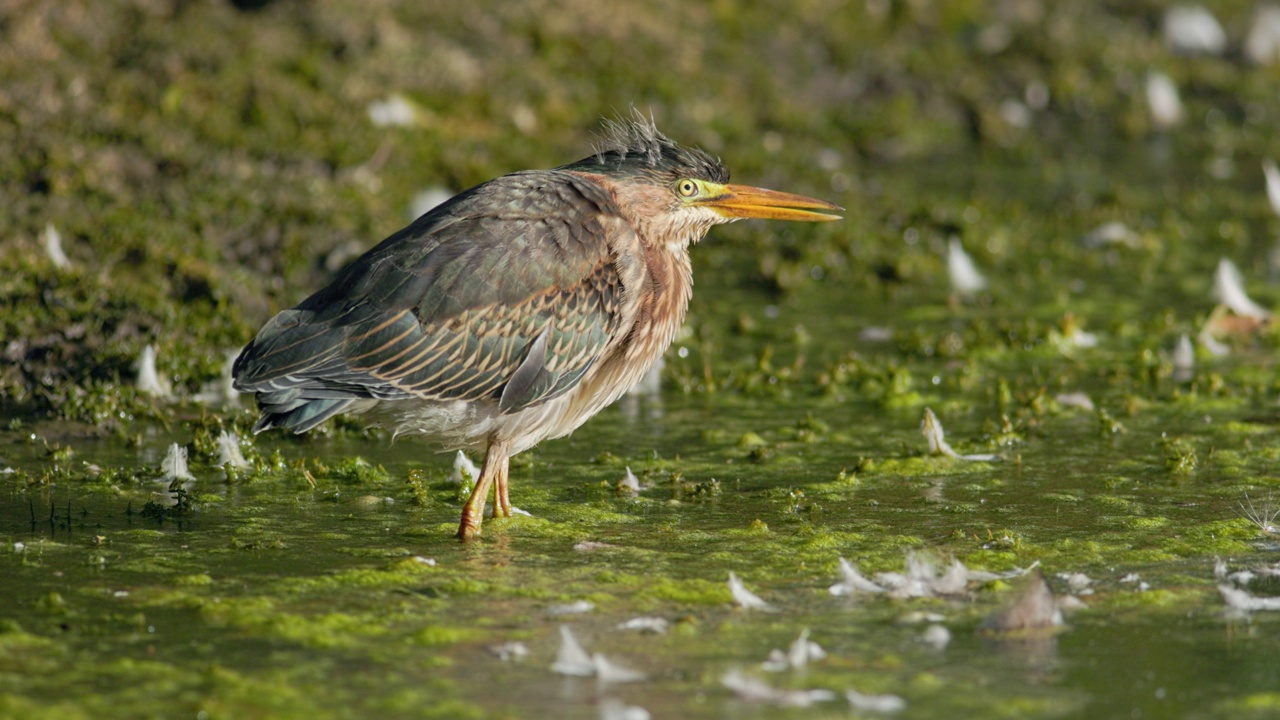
column 507, row 293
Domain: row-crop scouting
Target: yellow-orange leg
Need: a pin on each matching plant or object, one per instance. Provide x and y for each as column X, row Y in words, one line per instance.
column 493, row 473
column 501, row 503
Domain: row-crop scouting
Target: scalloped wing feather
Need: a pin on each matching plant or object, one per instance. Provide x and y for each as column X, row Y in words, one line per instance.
column 449, row 308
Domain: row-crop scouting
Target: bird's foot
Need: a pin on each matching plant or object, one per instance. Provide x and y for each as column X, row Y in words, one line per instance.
column 472, row 516
column 470, row 526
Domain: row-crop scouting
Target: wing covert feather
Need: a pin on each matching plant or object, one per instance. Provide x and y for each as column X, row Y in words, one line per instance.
column 448, row 308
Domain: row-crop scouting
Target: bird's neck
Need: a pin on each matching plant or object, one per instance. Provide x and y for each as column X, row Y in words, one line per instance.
column 663, row 299
column 653, row 264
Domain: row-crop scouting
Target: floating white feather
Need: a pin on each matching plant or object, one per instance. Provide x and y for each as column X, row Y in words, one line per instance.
column 464, row 471
column 428, row 200
column 852, row 581
column 508, row 651
column 578, row 607
column 965, row 278
column 1163, row 100
column 1244, row 600
column 1184, row 359
column 1113, row 232
column 875, row 703
column 223, row 390
column 52, row 241
column 655, row 625
column 744, row 597
column 932, row 430
column 1271, row 175
column 800, row 653
column 1075, row 399
column 1193, row 30
column 755, row 690
column 614, row 709
column 174, row 465
column 229, row 451
column 630, row 483
column 936, row 636
column 395, row 111
column 572, row 659
column 148, row 379
column 1262, row 44
column 1228, row 288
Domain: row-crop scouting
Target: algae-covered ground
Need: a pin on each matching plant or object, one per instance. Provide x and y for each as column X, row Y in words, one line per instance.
column 203, row 165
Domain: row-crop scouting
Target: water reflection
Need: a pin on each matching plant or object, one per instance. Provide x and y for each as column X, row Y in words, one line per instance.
column 1037, row 655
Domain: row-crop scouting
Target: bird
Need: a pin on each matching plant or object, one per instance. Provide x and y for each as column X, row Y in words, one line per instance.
column 513, row 312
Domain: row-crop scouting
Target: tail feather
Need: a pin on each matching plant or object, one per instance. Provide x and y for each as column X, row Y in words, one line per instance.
column 298, row 413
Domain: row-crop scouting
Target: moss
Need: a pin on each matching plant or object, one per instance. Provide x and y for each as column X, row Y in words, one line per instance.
column 930, row 465
column 427, row 703
column 1061, row 498
column 465, row 587
column 1148, row 523
column 993, row 560
column 17, row 642
column 329, row 630
column 1201, row 547
column 1153, row 598
column 685, row 593
column 436, row 636
column 40, row 709
column 200, row 580
column 1262, row 704
column 1116, row 503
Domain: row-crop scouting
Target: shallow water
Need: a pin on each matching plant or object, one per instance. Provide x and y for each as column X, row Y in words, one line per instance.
column 275, row 598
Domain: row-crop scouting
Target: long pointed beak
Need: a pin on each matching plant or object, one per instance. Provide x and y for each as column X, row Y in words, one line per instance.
column 744, row 201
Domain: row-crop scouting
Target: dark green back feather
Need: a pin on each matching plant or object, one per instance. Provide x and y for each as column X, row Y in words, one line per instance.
column 447, row 308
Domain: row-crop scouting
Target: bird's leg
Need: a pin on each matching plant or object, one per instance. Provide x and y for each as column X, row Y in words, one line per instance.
column 495, row 468
column 501, row 503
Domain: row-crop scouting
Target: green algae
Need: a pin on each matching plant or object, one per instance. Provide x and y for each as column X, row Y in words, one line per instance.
column 1255, row 705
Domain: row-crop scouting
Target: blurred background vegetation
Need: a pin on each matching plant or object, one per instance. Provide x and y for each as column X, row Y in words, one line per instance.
column 209, row 163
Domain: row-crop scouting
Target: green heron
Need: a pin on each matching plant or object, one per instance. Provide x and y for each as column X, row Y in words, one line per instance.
column 513, row 312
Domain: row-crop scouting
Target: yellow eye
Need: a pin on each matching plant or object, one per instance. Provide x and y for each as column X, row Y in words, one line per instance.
column 687, row 188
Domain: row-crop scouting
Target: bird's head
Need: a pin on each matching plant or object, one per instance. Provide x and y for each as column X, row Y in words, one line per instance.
column 680, row 193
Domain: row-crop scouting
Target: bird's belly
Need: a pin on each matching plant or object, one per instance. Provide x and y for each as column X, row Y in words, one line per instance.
column 459, row 424
column 455, row 424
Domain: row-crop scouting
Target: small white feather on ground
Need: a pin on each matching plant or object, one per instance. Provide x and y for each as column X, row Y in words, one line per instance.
column 744, row 597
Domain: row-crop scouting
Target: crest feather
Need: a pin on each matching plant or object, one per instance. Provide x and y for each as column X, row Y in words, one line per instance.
column 635, row 147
